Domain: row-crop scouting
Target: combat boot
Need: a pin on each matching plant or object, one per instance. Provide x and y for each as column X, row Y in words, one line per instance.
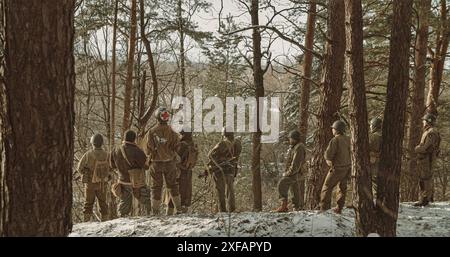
column 177, row 203
column 155, row 207
column 283, row 207
column 87, row 217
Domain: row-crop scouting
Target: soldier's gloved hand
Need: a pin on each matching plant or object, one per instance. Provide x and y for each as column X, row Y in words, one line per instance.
column 284, row 174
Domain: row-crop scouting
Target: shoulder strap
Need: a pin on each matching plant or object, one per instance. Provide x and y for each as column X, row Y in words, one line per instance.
column 122, row 150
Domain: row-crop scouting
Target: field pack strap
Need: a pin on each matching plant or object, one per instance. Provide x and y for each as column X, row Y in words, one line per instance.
column 122, row 150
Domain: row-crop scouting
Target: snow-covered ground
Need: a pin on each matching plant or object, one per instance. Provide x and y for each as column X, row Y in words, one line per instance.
column 433, row 220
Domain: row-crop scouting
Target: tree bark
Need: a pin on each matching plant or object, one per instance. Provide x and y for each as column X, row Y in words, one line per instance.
column 258, row 81
column 394, row 120
column 417, row 100
column 362, row 186
column 440, row 53
column 331, row 92
column 36, row 187
column 182, row 54
column 126, row 124
column 307, row 70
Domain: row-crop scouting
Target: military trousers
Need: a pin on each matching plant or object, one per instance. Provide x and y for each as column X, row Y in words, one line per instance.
column 425, row 179
column 290, row 183
column 224, row 183
column 142, row 194
column 335, row 177
column 185, row 188
column 161, row 172
column 94, row 191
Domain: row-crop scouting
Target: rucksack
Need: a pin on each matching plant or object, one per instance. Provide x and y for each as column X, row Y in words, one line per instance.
column 101, row 171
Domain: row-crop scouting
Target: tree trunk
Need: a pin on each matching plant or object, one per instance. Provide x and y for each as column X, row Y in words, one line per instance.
column 362, row 186
column 182, row 54
column 145, row 116
column 305, row 89
column 437, row 66
column 307, row 70
column 258, row 81
column 331, row 92
column 126, row 124
column 417, row 101
column 394, row 120
column 36, row 187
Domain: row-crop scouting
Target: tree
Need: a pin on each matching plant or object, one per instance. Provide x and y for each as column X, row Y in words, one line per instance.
column 36, row 173
column 330, row 100
column 417, row 100
column 362, row 189
column 394, row 120
column 258, row 80
column 126, row 124
column 439, row 55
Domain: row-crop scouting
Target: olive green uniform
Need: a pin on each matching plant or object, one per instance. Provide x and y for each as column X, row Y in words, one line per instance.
column 162, row 144
column 374, row 152
column 292, row 175
column 93, row 190
column 135, row 159
column 338, row 153
column 427, row 151
column 223, row 162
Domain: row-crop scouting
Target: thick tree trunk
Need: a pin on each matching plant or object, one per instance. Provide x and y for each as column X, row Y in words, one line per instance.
column 362, row 186
column 394, row 120
column 440, row 53
column 307, row 70
column 417, row 100
column 126, row 124
column 331, row 92
column 259, row 92
column 36, row 187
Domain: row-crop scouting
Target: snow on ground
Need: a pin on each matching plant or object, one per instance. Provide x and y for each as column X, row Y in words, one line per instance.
column 433, row 220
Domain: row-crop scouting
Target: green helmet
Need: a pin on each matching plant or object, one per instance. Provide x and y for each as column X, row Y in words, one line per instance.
column 97, row 140
column 429, row 118
column 294, row 134
column 130, row 136
column 339, row 125
column 375, row 123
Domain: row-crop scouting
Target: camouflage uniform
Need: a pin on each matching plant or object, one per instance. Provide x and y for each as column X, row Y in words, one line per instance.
column 138, row 160
column 374, row 151
column 292, row 175
column 162, row 144
column 338, row 153
column 426, row 153
column 93, row 190
column 225, row 155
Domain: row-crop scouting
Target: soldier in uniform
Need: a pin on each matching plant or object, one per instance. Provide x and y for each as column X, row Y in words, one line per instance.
column 223, row 166
column 93, row 189
column 162, row 144
column 131, row 163
column 338, row 157
column 374, row 151
column 188, row 153
column 293, row 173
column 427, row 151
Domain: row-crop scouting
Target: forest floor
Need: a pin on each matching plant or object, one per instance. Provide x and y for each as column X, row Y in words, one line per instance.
column 433, row 220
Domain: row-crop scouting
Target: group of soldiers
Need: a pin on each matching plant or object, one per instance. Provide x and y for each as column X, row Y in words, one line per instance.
column 170, row 157
column 338, row 158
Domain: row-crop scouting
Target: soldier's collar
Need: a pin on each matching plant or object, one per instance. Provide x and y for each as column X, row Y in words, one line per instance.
column 128, row 142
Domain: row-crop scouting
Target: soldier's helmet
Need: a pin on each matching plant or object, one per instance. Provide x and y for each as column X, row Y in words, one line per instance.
column 162, row 115
column 375, row 123
column 97, row 140
column 339, row 125
column 429, row 118
column 294, row 134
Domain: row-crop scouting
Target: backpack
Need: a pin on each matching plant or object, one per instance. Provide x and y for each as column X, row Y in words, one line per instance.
column 101, row 171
